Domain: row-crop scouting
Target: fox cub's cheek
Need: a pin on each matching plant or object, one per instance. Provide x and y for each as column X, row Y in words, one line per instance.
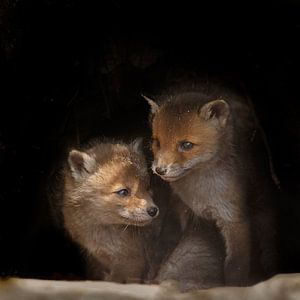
column 185, row 158
column 195, row 151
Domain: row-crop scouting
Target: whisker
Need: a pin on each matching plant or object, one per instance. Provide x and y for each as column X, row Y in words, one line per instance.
column 125, row 228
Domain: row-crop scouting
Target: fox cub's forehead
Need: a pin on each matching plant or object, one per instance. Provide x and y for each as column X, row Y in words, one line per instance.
column 176, row 120
column 123, row 167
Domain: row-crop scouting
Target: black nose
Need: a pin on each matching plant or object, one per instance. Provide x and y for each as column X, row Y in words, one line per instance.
column 152, row 211
column 160, row 171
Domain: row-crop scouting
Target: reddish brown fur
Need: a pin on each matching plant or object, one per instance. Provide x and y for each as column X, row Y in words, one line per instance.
column 99, row 219
column 218, row 178
column 194, row 130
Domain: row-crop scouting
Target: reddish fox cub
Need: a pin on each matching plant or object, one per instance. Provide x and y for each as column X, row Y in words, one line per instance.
column 106, row 198
column 205, row 140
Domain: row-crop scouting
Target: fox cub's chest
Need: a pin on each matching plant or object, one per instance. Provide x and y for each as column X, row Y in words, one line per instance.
column 207, row 195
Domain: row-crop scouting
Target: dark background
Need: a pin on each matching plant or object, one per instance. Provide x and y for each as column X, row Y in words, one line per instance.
column 74, row 69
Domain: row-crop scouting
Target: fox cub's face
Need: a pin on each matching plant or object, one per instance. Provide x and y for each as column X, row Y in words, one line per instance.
column 185, row 136
column 110, row 183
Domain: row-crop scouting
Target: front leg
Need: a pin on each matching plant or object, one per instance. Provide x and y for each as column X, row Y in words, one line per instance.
column 238, row 245
column 127, row 270
column 197, row 260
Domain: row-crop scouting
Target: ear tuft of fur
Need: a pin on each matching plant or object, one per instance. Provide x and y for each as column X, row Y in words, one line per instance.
column 215, row 110
column 81, row 164
column 154, row 106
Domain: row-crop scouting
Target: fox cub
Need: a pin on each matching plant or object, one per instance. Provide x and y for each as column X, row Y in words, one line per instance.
column 205, row 144
column 106, row 199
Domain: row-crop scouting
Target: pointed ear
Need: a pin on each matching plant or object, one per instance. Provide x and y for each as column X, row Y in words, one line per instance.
column 154, row 106
column 217, row 110
column 81, row 164
column 137, row 145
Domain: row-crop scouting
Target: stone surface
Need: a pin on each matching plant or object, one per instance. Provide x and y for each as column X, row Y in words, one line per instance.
column 280, row 287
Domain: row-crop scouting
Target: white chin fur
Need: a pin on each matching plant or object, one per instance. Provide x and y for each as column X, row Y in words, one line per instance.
column 170, row 179
column 141, row 219
column 173, row 177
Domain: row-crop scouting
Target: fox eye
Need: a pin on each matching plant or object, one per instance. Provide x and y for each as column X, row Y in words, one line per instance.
column 123, row 192
column 185, row 146
column 156, row 143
